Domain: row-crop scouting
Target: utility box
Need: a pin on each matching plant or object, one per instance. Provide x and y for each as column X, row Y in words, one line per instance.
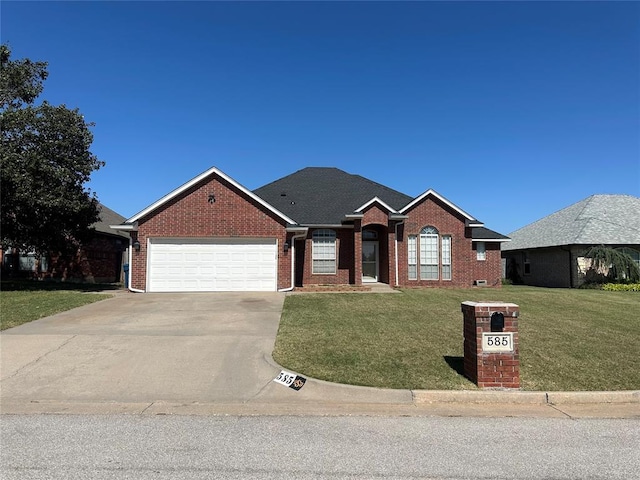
column 491, row 356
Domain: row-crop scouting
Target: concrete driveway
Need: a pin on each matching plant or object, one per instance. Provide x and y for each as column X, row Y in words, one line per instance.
column 162, row 353
column 143, row 348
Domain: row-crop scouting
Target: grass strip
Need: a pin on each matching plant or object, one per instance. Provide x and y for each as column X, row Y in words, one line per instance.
column 22, row 306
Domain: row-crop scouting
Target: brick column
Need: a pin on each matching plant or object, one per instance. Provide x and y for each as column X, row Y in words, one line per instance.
column 357, row 251
column 499, row 367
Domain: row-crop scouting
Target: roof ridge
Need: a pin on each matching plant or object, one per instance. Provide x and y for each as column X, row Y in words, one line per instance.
column 587, row 202
column 556, row 212
column 295, row 173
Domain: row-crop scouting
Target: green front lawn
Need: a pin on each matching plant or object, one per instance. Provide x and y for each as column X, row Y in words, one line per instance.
column 22, row 302
column 569, row 339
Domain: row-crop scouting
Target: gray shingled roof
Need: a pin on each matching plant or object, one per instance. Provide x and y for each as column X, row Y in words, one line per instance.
column 109, row 217
column 599, row 219
column 323, row 196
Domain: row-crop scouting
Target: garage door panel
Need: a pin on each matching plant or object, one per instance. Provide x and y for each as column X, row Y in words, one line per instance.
column 183, row 265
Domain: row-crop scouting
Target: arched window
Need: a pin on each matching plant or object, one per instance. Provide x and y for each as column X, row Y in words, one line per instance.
column 324, row 251
column 429, row 253
column 435, row 255
column 369, row 235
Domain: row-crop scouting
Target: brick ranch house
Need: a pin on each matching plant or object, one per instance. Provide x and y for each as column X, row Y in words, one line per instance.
column 98, row 260
column 317, row 226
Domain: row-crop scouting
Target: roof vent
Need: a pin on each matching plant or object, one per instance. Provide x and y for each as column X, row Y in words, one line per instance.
column 283, row 194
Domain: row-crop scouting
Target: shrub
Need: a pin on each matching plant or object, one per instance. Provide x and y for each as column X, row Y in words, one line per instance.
column 621, row 287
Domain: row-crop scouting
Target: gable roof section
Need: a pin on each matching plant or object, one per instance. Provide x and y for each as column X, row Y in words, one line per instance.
column 324, row 195
column 195, row 181
column 598, row 219
column 379, row 202
column 470, row 219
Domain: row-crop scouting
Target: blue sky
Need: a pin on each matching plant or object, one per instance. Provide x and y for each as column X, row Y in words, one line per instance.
column 511, row 110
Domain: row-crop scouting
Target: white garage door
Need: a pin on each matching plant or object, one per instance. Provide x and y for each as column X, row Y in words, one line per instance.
column 212, row 265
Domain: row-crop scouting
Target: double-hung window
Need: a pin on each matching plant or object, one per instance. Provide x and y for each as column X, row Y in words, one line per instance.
column 324, row 251
column 429, row 254
column 481, row 251
column 413, row 257
column 527, row 263
column 446, row 257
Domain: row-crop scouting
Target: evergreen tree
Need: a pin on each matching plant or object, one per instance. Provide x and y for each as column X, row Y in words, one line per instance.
column 45, row 164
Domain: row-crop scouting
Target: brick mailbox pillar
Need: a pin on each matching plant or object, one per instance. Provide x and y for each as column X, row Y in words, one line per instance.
column 491, row 358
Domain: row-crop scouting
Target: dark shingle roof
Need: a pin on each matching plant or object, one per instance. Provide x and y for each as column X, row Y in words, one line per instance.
column 483, row 233
column 323, row 196
column 109, row 217
column 598, row 219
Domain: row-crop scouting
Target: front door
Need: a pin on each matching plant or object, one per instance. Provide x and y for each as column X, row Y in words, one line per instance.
column 369, row 262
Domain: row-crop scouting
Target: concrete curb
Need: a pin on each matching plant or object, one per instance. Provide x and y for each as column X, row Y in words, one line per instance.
column 520, row 397
column 627, row 396
column 513, row 397
column 472, row 396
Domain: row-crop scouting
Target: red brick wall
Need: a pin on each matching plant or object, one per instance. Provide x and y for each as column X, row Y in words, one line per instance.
column 464, row 264
column 375, row 215
column 99, row 261
column 190, row 214
column 345, row 268
column 491, row 268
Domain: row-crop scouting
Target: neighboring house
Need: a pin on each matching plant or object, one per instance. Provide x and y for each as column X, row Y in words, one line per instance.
column 550, row 252
column 100, row 260
column 318, row 226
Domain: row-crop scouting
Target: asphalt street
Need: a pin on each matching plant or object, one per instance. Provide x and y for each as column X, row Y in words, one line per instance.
column 291, row 447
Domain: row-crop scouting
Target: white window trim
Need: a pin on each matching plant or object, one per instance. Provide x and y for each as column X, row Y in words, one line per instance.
column 422, row 248
column 450, row 259
column 323, row 236
column 481, row 251
column 412, row 256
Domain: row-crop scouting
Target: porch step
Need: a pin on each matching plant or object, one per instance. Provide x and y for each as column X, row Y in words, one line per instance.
column 364, row 288
column 381, row 288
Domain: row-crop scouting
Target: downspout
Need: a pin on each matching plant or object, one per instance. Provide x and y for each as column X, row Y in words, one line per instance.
column 396, row 253
column 292, row 252
column 131, row 289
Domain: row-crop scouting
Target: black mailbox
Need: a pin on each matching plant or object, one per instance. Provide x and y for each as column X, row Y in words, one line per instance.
column 497, row 322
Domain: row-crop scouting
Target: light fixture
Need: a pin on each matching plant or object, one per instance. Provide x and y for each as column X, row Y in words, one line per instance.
column 286, row 247
column 136, row 246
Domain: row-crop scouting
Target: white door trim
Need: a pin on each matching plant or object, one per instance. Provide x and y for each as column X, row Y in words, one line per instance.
column 377, row 250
